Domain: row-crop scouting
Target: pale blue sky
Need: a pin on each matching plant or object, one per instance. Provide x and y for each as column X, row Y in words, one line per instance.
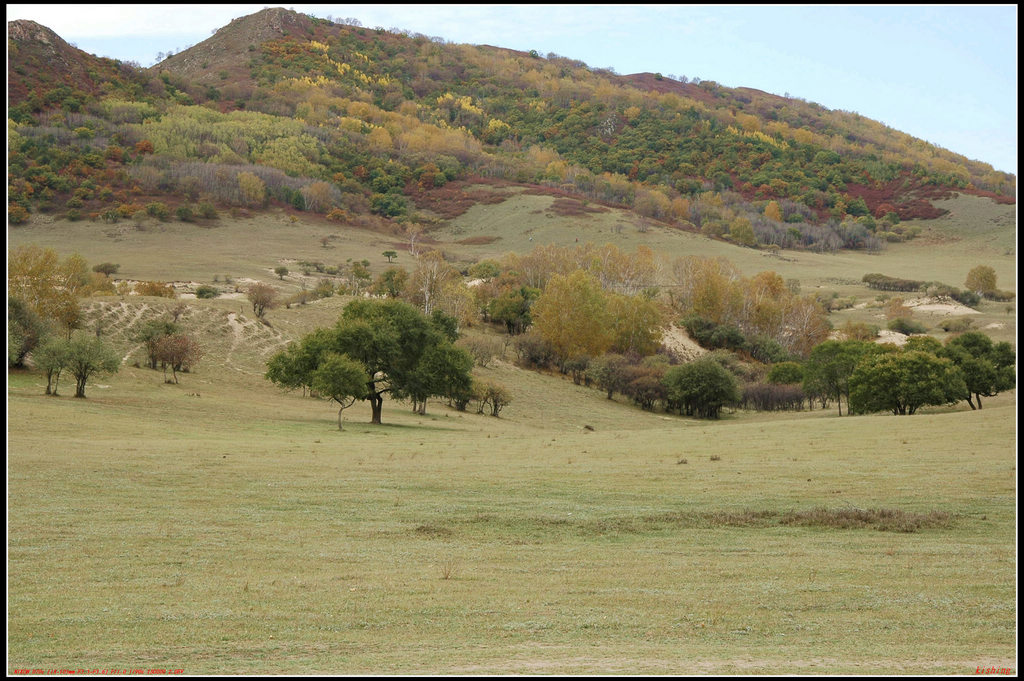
column 943, row 73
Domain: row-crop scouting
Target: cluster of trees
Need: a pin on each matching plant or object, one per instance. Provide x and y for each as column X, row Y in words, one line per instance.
column 44, row 320
column 384, row 348
column 980, row 283
column 881, row 377
column 167, row 346
column 755, row 312
column 44, row 313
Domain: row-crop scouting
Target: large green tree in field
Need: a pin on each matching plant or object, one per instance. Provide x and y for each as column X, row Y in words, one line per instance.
column 400, row 351
column 902, row 381
column 987, row 367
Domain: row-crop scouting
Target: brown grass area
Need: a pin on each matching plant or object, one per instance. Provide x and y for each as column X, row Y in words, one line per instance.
column 455, row 198
column 567, row 207
column 479, row 240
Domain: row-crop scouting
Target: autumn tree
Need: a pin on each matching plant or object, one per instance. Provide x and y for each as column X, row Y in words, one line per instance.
column 572, row 316
column 49, row 286
column 252, row 189
column 429, row 278
column 150, row 334
column 513, row 308
column 637, row 322
column 492, row 396
column 25, row 330
column 981, row 279
column 262, row 296
column 773, row 212
column 319, row 196
column 391, row 283
column 179, row 352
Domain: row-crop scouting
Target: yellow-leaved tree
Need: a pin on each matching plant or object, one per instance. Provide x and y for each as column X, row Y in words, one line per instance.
column 572, row 316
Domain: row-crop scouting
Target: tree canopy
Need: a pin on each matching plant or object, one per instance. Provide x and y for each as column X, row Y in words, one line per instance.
column 701, row 388
column 902, row 381
column 400, row 351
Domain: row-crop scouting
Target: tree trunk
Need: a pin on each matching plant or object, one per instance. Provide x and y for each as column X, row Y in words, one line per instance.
column 977, row 396
column 376, row 405
column 970, row 401
column 339, row 418
column 80, row 387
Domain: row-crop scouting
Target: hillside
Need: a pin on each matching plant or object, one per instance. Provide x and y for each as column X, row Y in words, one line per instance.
column 575, row 233
column 364, row 124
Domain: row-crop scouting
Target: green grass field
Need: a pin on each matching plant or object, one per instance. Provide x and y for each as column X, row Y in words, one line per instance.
column 220, row 526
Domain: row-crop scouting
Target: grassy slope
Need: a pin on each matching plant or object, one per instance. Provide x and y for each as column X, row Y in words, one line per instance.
column 219, row 526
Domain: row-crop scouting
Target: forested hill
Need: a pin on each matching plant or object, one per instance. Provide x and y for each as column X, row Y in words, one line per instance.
column 335, row 117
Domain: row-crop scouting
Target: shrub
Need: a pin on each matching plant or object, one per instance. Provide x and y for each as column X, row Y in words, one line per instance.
column 533, row 351
column 767, row 350
column 786, row 372
column 206, row 291
column 207, row 211
column 999, row 296
column 859, row 331
column 155, row 288
column 906, row 326
column 882, row 282
column 958, row 325
column 483, row 350
column 16, row 214
column 493, row 396
column 157, row 209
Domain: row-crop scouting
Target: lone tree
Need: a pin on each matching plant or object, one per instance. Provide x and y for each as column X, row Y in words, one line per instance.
column 401, row 352
column 178, row 351
column 281, row 271
column 88, row 356
column 262, row 296
column 106, row 268
column 390, row 255
column 981, row 279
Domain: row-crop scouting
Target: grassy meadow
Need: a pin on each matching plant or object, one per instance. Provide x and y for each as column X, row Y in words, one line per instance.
column 221, row 526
